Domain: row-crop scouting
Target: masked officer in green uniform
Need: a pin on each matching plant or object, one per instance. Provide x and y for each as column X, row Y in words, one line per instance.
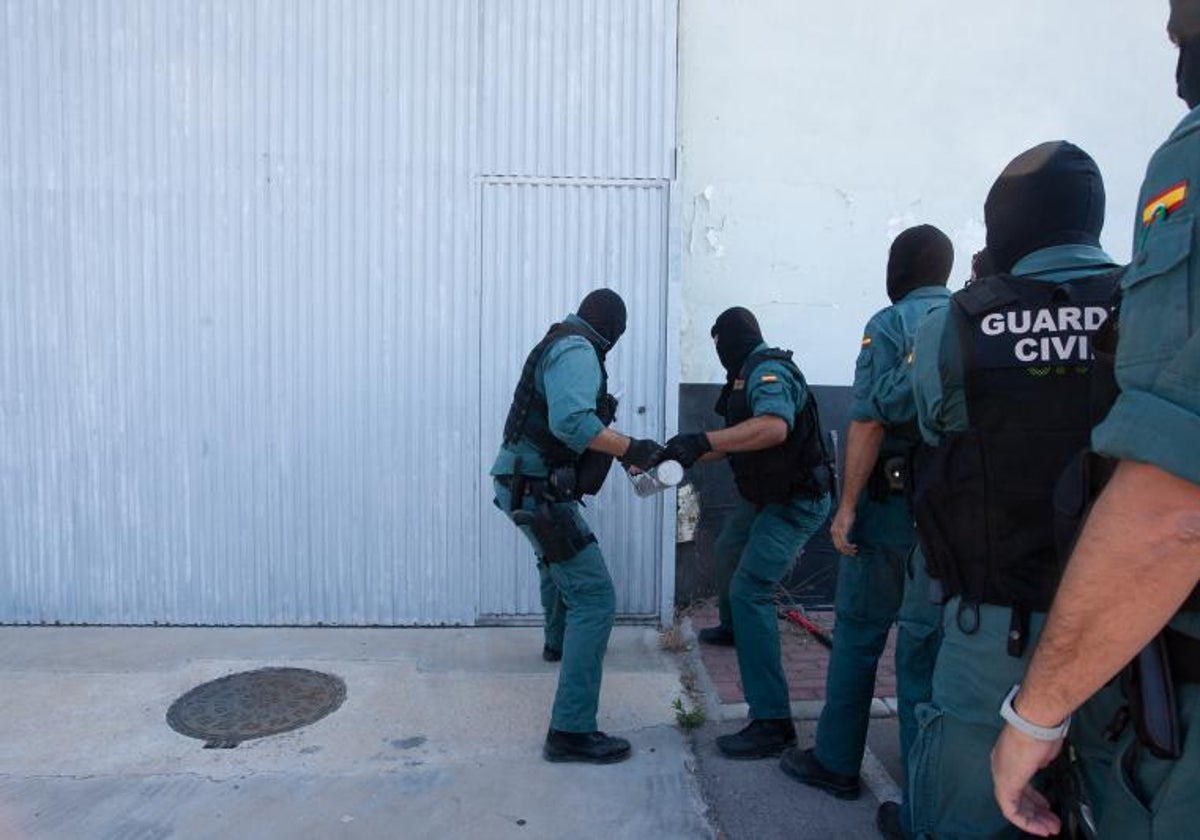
column 557, row 448
column 1141, row 536
column 1003, row 386
column 877, row 573
column 773, row 439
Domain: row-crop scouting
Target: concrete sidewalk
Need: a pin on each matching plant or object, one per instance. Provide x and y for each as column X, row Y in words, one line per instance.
column 439, row 737
column 755, row 800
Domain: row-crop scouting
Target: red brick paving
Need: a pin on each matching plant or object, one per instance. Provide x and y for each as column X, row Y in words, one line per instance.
column 804, row 660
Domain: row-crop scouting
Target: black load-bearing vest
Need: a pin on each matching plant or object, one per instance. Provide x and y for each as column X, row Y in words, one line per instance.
column 798, row 467
column 529, row 414
column 1086, row 476
column 983, row 497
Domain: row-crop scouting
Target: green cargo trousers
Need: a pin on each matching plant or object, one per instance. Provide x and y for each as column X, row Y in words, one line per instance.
column 949, row 770
column 880, row 585
column 756, row 549
column 554, row 611
column 1150, row 797
column 870, row 588
column 588, row 606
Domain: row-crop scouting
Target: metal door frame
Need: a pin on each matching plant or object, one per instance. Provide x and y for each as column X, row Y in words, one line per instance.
column 668, row 348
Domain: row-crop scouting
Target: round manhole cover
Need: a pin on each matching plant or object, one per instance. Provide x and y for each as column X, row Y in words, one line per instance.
column 253, row 704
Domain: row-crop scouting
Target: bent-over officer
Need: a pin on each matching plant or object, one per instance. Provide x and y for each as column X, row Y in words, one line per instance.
column 557, row 448
column 1131, row 584
column 773, row 440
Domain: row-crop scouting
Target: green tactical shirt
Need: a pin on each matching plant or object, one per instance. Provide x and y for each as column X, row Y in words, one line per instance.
column 1156, row 419
column 883, row 394
column 882, row 387
column 568, row 376
column 775, row 390
column 937, row 372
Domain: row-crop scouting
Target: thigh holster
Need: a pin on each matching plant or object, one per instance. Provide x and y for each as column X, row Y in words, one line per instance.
column 556, row 530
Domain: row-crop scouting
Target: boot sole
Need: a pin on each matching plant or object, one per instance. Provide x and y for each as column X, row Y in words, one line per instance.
column 772, row 752
column 837, row 792
column 563, row 758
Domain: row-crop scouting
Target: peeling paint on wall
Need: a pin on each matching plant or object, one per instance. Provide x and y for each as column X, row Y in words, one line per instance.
column 795, row 175
column 687, row 516
column 707, row 225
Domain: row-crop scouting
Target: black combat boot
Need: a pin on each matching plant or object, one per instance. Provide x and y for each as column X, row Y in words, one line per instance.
column 761, row 739
column 719, row 636
column 592, row 747
column 887, row 820
column 802, row 765
column 550, row 654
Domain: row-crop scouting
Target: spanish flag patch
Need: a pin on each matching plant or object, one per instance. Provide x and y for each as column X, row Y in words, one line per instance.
column 769, row 377
column 1165, row 203
column 866, row 342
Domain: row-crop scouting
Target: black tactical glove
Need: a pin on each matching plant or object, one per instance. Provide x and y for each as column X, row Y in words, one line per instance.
column 687, row 448
column 642, row 454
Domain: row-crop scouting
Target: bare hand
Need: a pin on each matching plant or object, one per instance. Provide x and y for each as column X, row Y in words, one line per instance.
column 1015, row 759
column 839, row 529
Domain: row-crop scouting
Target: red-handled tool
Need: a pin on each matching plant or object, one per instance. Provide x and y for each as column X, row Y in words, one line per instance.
column 801, row 620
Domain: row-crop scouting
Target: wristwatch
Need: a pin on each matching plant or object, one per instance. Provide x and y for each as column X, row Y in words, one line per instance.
column 1038, row 733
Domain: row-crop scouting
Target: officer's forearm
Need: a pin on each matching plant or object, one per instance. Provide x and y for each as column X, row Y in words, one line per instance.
column 610, row 443
column 1136, row 562
column 863, row 441
column 751, row 435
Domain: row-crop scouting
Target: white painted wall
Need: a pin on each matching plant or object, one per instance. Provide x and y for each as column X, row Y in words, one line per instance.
column 812, row 133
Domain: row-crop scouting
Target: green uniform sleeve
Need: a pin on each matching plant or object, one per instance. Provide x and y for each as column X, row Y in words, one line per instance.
column 937, row 378
column 571, row 377
column 774, row 390
column 1156, row 419
column 882, row 390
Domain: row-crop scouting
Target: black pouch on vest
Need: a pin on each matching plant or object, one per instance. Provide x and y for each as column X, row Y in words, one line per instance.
column 877, row 484
column 895, row 471
column 561, row 483
column 1150, row 691
column 1077, row 488
column 556, row 532
column 592, row 468
column 889, row 478
column 590, row 472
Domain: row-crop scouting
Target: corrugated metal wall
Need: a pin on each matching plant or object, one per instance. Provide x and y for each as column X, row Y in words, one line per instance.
column 578, row 88
column 240, row 292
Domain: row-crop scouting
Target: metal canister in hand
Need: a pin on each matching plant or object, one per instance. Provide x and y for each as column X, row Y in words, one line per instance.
column 667, row 474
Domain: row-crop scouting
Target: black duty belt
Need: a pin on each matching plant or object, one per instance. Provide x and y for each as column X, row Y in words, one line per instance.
column 1183, row 652
column 507, row 481
column 525, row 486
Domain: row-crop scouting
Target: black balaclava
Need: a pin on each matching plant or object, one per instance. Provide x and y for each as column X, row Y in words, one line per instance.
column 921, row 256
column 604, row 312
column 1049, row 195
column 981, row 266
column 1184, row 28
column 737, row 333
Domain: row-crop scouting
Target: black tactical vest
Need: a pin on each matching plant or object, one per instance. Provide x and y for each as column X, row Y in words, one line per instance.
column 983, row 497
column 798, row 467
column 528, row 416
column 1087, row 475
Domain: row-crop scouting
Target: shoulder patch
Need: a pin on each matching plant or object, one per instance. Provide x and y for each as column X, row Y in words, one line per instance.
column 768, row 377
column 866, row 342
column 1165, row 203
